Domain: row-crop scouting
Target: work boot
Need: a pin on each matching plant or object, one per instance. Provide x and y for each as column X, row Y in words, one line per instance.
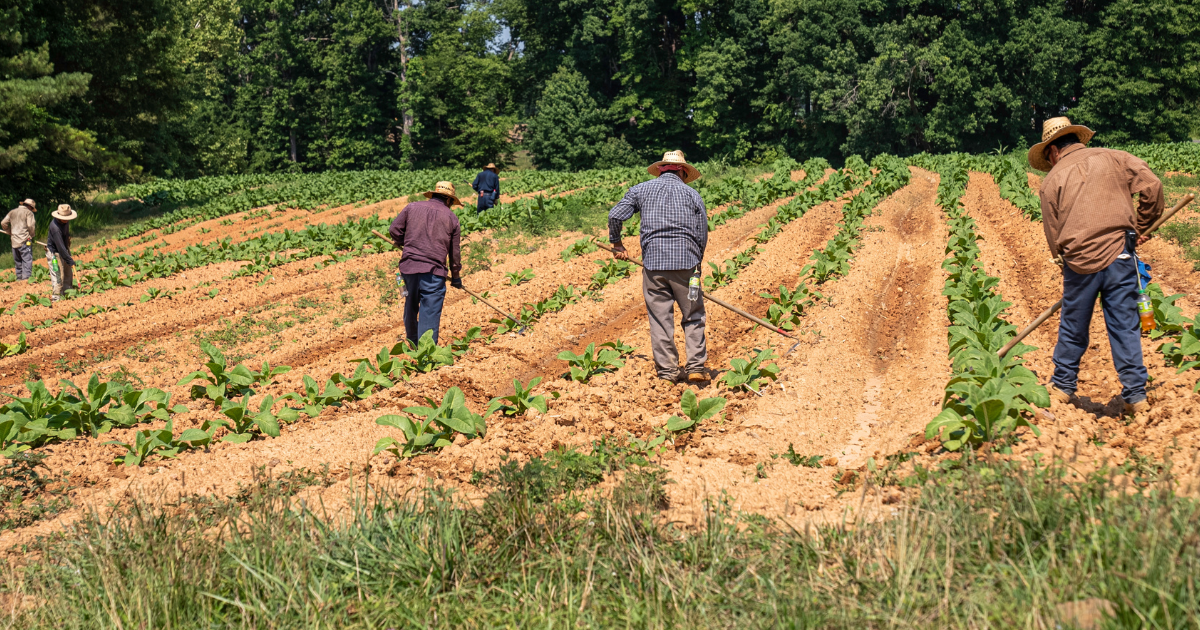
column 1139, row 407
column 697, row 378
column 1060, row 396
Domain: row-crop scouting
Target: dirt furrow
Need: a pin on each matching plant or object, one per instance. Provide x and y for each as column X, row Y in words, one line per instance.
column 861, row 387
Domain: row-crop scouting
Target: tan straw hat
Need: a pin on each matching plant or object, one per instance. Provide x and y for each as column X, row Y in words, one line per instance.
column 65, row 212
column 447, row 189
column 28, row 203
column 491, row 165
column 1052, row 130
column 690, row 174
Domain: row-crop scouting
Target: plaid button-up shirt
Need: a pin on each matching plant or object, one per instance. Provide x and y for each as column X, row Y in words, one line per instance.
column 674, row 222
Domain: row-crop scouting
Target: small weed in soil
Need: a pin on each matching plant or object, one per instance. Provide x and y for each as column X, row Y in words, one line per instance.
column 479, row 258
column 808, row 461
column 26, row 494
column 352, row 279
column 385, row 285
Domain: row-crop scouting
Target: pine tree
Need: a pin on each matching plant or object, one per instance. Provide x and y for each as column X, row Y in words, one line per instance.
column 40, row 156
column 568, row 130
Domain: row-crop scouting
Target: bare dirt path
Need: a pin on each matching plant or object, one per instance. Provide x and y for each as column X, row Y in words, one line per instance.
column 862, row 389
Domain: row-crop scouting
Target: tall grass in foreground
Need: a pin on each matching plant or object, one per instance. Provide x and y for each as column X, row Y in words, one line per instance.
column 984, row 546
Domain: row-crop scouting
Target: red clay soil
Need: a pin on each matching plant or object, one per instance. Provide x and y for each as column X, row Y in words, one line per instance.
column 1091, row 432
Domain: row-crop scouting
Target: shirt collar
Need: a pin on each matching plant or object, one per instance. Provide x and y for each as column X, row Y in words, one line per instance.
column 670, row 174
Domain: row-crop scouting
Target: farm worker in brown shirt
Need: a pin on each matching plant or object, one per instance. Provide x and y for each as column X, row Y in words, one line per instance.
column 1091, row 224
column 429, row 234
column 20, row 226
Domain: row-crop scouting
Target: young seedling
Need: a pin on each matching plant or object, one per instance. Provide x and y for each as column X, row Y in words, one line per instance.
column 695, row 411
column 578, row 248
column 427, row 356
column 196, row 438
column 142, row 405
column 222, row 382
column 517, row 277
column 751, row 374
column 587, row 364
column 621, row 347
column 246, row 422
column 315, row 399
column 460, row 346
column 434, row 427
column 520, row 401
column 807, row 461
column 12, row 350
column 146, row 443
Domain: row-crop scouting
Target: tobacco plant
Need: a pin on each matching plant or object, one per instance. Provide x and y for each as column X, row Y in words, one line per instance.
column 148, row 442
column 695, row 411
column 589, row 363
column 431, row 427
column 520, row 401
column 753, row 373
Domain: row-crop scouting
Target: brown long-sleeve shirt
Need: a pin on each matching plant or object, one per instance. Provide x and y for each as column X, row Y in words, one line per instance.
column 1087, row 205
column 430, row 233
column 19, row 222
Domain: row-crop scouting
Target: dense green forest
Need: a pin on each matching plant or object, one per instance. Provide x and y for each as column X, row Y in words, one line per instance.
column 94, row 92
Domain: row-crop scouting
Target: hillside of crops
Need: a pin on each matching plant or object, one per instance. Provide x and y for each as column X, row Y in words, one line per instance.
column 251, row 333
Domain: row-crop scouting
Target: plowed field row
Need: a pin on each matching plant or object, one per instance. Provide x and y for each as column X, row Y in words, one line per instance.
column 867, row 377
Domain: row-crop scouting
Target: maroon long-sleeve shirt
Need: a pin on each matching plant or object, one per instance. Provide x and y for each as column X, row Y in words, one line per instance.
column 430, row 233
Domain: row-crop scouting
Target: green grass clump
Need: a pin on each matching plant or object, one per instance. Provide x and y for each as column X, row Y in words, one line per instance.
column 981, row 546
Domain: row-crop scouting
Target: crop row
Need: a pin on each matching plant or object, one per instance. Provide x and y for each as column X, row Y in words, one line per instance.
column 988, row 396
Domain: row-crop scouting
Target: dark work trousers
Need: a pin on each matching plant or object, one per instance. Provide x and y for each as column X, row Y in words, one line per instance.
column 423, row 306
column 1117, row 287
column 663, row 290
column 23, row 261
column 487, row 199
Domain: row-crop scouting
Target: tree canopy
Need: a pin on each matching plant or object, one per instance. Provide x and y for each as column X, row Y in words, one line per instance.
column 96, row 92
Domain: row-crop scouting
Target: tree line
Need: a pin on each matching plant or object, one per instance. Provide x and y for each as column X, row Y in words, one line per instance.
column 96, row 92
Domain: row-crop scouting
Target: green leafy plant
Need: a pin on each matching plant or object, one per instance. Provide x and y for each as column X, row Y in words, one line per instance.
column 517, row 277
column 246, row 423
column 148, row 442
column 610, row 271
column 589, row 363
column 578, row 248
column 223, row 383
column 314, row 398
column 753, row 373
column 267, row 374
column 790, row 305
column 720, row 276
column 461, row 345
column 202, row 436
column 433, row 427
column 12, row 350
column 427, row 356
column 695, row 411
column 520, row 401
column 142, row 405
column 807, row 461
column 621, row 347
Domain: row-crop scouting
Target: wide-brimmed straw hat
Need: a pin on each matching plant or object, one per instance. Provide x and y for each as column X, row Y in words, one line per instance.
column 28, row 203
column 491, row 166
column 1052, row 130
column 447, row 189
column 675, row 158
column 65, row 213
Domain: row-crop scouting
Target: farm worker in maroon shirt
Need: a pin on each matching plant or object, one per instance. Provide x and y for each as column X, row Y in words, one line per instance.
column 429, row 234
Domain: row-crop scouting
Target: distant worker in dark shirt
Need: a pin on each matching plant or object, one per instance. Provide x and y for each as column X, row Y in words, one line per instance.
column 487, row 185
column 58, row 251
column 429, row 233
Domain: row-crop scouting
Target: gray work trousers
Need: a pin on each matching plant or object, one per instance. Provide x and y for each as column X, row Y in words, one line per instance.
column 663, row 290
column 23, row 261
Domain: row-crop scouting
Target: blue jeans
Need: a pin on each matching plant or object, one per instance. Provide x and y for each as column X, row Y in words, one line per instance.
column 23, row 261
column 486, row 200
column 1117, row 287
column 423, row 306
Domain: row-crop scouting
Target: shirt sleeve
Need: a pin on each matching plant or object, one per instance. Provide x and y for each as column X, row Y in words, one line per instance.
column 396, row 231
column 619, row 214
column 6, row 223
column 703, row 213
column 456, row 249
column 1149, row 189
column 475, row 184
column 496, row 188
column 1049, row 219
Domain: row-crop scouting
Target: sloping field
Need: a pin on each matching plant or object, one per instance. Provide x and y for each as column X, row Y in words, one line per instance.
column 855, row 394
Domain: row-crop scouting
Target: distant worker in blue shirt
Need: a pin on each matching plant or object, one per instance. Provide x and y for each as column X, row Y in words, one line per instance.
column 487, row 186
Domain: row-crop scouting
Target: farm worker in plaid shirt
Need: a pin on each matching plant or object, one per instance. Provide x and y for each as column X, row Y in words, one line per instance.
column 1092, row 228
column 429, row 234
column 674, row 233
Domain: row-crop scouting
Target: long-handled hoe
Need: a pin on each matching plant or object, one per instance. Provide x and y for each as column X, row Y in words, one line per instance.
column 1041, row 319
column 727, row 305
column 520, row 331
